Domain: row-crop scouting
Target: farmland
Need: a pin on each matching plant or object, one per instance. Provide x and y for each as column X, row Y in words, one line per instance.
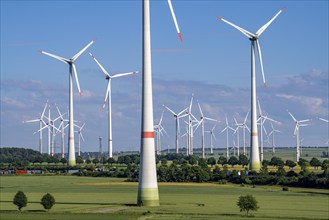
column 112, row 198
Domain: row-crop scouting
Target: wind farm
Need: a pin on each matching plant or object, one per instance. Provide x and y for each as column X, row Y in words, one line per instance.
column 191, row 124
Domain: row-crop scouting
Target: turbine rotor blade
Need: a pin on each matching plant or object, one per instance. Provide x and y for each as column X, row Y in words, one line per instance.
column 200, row 109
column 44, row 109
column 190, row 107
column 82, row 137
column 223, row 130
column 259, row 108
column 292, row 116
column 184, row 110
column 245, row 119
column 270, row 119
column 171, row 110
column 76, row 78
column 107, row 92
column 322, row 119
column 75, row 57
column 29, row 121
column 175, row 21
column 263, row 28
column 102, row 68
column 161, row 118
column 261, row 61
column 210, row 119
column 64, row 60
column 243, row 31
column 124, row 74
column 296, row 129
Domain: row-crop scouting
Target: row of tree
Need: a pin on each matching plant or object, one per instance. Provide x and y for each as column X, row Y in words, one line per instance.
column 20, row 200
column 202, row 172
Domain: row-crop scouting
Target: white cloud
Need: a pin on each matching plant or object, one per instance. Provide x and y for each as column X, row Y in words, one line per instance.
column 314, row 105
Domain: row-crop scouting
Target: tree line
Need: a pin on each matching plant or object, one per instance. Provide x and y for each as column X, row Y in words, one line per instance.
column 181, row 168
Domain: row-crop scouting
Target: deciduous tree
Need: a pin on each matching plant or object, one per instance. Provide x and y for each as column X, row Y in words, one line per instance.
column 247, row 203
column 48, row 201
column 20, row 200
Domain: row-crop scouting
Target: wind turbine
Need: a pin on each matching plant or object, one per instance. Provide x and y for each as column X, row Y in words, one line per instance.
column 273, row 131
column 62, row 126
column 72, row 69
column 79, row 131
column 299, row 124
column 109, row 95
column 262, row 118
column 201, row 122
column 212, row 135
column 325, row 120
column 177, row 116
column 227, row 129
column 255, row 163
column 148, row 194
column 41, row 122
column 237, row 136
column 158, row 129
column 244, row 126
column 50, row 125
column 190, row 127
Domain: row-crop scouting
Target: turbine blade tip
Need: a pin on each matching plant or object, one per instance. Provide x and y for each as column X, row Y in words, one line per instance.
column 219, row 17
column 265, row 85
column 180, row 37
column 284, row 8
column 94, row 39
column 81, row 93
column 40, row 51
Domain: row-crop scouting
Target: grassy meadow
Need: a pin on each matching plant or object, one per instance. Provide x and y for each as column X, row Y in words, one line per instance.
column 112, row 198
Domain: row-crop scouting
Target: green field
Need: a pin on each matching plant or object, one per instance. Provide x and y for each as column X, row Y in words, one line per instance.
column 111, row 198
column 284, row 153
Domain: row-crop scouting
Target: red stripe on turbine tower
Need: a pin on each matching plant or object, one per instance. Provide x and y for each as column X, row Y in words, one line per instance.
column 148, row 134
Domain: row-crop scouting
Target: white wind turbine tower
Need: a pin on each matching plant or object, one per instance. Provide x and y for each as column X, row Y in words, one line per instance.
column 109, row 96
column 325, row 120
column 201, row 122
column 50, row 125
column 158, row 129
column 244, row 126
column 41, row 123
column 299, row 124
column 80, row 136
column 227, row 129
column 255, row 163
column 273, row 131
column 72, row 69
column 148, row 194
column 262, row 118
column 212, row 135
column 190, row 127
column 237, row 146
column 177, row 116
column 234, row 148
column 62, row 126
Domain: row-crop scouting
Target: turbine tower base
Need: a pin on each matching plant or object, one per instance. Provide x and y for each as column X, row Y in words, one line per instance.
column 148, row 197
column 255, row 166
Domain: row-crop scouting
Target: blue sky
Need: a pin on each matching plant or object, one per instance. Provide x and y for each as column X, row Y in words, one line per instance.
column 213, row 62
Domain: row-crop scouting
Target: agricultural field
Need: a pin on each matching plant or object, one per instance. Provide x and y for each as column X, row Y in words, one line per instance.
column 112, row 198
column 284, row 153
